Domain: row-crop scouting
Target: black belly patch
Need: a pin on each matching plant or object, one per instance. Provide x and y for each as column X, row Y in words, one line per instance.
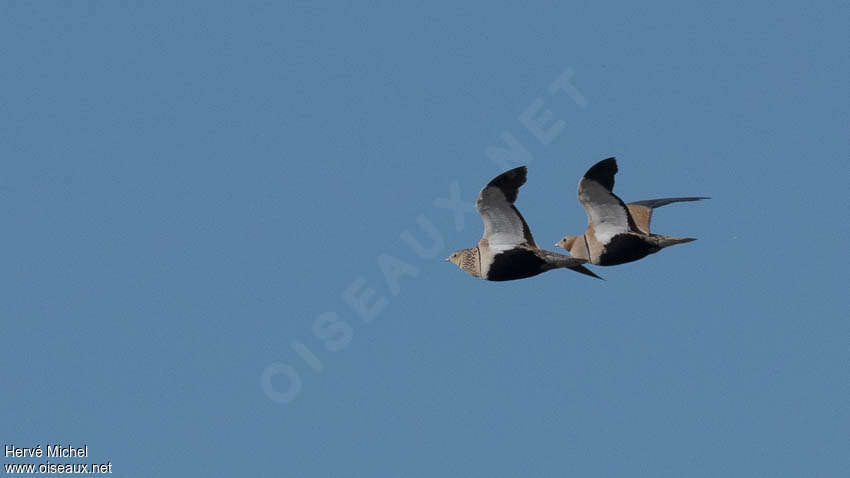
column 515, row 264
column 624, row 248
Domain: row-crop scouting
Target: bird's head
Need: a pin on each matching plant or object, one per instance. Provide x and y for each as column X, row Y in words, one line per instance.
column 566, row 242
column 467, row 260
column 455, row 257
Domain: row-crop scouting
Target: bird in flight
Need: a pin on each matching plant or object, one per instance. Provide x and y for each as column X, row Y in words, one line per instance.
column 616, row 232
column 507, row 250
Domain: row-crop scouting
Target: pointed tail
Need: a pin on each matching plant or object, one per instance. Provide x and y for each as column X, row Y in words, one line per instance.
column 561, row 261
column 667, row 241
column 585, row 271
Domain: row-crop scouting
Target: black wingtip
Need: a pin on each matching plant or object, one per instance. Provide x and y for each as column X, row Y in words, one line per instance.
column 603, row 172
column 516, row 174
column 521, row 170
column 510, row 181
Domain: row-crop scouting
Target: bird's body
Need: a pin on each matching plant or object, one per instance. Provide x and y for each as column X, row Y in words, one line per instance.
column 507, row 250
column 616, row 232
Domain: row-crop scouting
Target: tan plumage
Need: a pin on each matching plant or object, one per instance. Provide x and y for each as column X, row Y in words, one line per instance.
column 507, row 250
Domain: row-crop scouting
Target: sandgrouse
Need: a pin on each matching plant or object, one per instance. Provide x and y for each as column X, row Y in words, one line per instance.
column 616, row 232
column 507, row 250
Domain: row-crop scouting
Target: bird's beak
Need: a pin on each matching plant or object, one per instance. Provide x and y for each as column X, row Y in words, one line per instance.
column 557, row 244
column 447, row 259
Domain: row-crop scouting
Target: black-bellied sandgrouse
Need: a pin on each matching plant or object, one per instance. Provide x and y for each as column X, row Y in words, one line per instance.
column 616, row 232
column 507, row 250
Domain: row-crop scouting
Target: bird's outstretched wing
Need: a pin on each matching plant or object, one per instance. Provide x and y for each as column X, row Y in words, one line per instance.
column 641, row 211
column 606, row 213
column 504, row 226
column 654, row 203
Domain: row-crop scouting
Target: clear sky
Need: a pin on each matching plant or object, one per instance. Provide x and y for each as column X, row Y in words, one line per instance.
column 197, row 198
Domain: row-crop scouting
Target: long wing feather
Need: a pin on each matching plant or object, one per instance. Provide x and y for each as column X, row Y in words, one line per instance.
column 504, row 226
column 654, row 203
column 641, row 211
column 606, row 213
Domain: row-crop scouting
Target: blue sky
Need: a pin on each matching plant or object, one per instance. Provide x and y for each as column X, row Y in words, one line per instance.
column 196, row 197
